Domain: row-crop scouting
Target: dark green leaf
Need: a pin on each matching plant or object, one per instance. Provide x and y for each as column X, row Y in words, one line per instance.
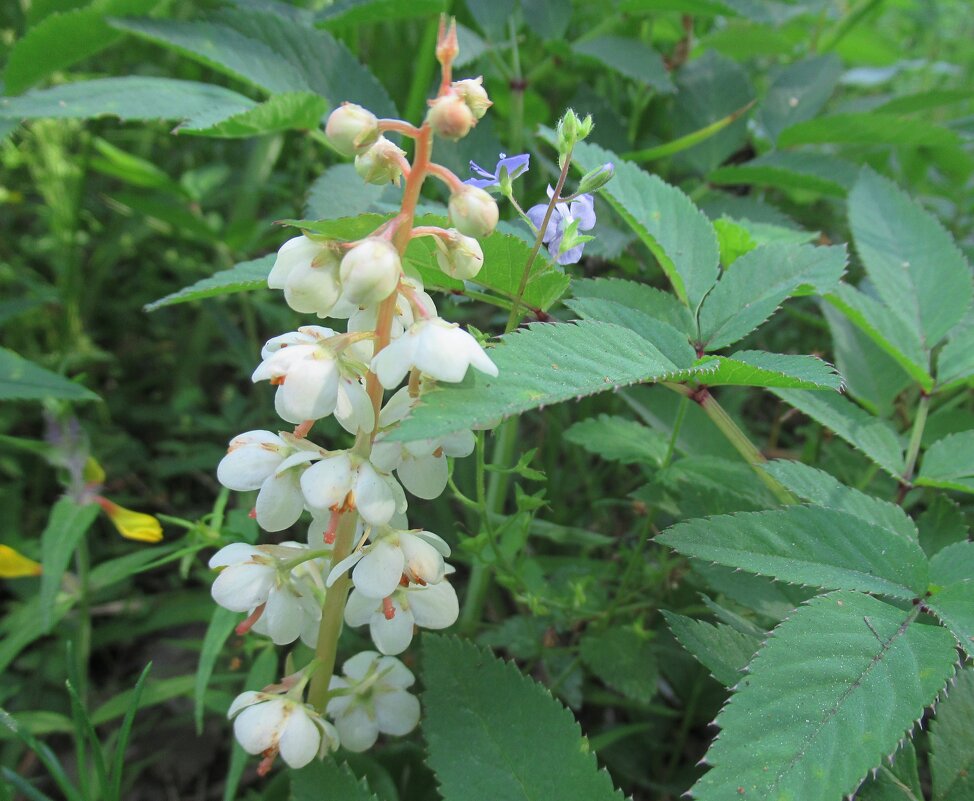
column 952, row 587
column 24, row 380
column 624, row 660
column 799, row 92
column 244, row 277
column 631, row 58
column 952, row 742
column 340, row 192
column 618, row 439
column 721, row 649
column 642, row 297
column 778, row 169
column 867, row 129
column 941, row 524
column 301, row 111
column 218, row 631
column 328, row 781
column 66, row 526
column 949, row 463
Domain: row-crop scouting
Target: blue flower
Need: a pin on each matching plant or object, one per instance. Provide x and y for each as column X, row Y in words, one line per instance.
column 507, row 170
column 566, row 221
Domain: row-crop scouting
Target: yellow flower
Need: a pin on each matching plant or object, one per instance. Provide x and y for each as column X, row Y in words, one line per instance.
column 16, row 565
column 130, row 524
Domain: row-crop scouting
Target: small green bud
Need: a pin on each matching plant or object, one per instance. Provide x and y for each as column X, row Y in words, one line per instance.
column 571, row 130
column 473, row 212
column 380, row 164
column 595, row 179
column 458, row 256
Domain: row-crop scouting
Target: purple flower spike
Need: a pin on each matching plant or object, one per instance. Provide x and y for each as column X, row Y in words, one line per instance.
column 507, row 169
column 580, row 210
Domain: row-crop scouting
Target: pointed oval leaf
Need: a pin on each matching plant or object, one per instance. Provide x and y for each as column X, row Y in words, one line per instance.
column 952, row 592
column 243, row 277
column 21, row 379
column 952, row 742
column 949, row 463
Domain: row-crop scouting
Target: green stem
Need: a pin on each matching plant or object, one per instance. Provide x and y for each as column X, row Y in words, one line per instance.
column 913, row 449
column 681, row 412
column 82, row 647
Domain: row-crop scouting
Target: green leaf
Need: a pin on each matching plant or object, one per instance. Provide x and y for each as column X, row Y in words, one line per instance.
column 124, row 733
column 759, row 281
column 813, row 172
column 328, row 781
column 955, row 362
column 631, row 58
column 807, row 545
column 676, row 232
column 820, row 488
column 152, row 693
column 949, row 463
column 352, row 13
column 221, row 625
column 941, row 524
column 868, row 129
column 830, row 695
column 340, row 192
column 66, row 526
column 918, row 271
column 799, row 92
column 952, row 742
column 618, row 439
column 952, row 587
column 487, row 748
column 709, row 89
column 723, row 650
column 624, row 659
column 755, row 368
column 686, row 141
column 271, row 52
column 130, row 98
column 899, row 781
column 301, row 111
column 538, row 366
column 871, row 435
column 885, row 329
column 644, row 298
column 63, row 39
column 24, row 380
column 243, row 277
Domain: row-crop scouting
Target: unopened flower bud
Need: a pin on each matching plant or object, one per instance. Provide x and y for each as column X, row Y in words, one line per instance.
column 473, row 212
column 570, row 131
column 474, row 95
column 351, row 129
column 370, row 272
column 451, row 117
column 596, row 179
column 380, row 164
column 459, row 256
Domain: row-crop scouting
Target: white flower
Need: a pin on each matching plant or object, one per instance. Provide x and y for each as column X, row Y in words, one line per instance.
column 457, row 255
column 370, row 271
column 435, row 347
column 271, row 723
column 391, row 556
column 377, row 700
column 365, row 318
column 283, row 604
column 391, row 619
column 346, row 480
column 305, row 370
column 260, row 460
column 472, row 211
column 351, row 129
column 307, row 271
column 353, row 406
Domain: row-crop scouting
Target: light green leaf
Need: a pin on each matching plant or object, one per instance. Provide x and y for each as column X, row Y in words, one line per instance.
column 538, row 366
column 130, row 98
column 218, row 631
column 868, row 129
column 644, row 298
column 24, row 380
column 721, row 649
column 799, row 92
column 813, row 172
column 352, row 13
column 328, row 781
column 631, row 58
column 63, row 39
column 871, row 435
column 820, row 488
column 487, row 748
column 807, row 545
column 301, row 111
column 952, row 587
column 952, row 742
column 67, row 524
column 759, row 281
column 949, row 463
column 340, row 192
column 887, row 330
column 955, row 362
column 624, row 659
column 918, row 271
column 618, row 439
column 755, row 368
column 709, row 89
column 675, row 231
column 685, row 142
column 243, row 277
column 830, row 695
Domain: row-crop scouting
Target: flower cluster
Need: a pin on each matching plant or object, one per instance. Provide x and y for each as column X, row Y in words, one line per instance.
column 361, row 562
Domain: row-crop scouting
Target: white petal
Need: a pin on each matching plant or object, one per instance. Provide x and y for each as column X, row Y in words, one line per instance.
column 433, row 539
column 360, row 608
column 234, row 553
column 280, row 502
column 301, row 739
column 374, row 498
column 282, row 617
column 258, row 727
column 243, row 587
column 459, row 443
column 396, row 674
column 326, row 483
column 423, row 563
column 395, row 360
column 479, row 360
column 312, row 290
column 396, row 408
column 425, row 477
column 386, row 456
column 379, row 571
column 297, row 251
column 341, row 567
column 309, row 392
column 246, row 466
column 245, row 699
column 435, row 606
column 397, row 712
column 299, row 458
column 357, row 730
column 441, row 350
column 353, row 409
column 392, row 636
column 339, row 703
column 357, row 666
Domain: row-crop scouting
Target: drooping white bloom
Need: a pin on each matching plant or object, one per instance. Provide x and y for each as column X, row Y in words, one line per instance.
column 346, row 479
column 351, row 129
column 370, row 271
column 271, row 463
column 435, row 347
column 473, row 212
column 457, row 255
column 267, row 724
column 391, row 619
column 391, row 556
column 353, row 406
column 364, row 318
column 256, row 576
column 307, row 271
column 377, row 700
